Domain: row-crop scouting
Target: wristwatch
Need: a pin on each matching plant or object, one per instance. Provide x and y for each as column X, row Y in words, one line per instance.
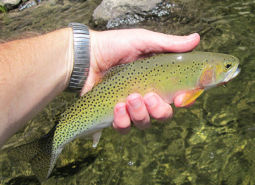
column 81, row 50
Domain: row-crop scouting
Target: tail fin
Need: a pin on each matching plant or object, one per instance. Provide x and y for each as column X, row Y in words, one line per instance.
column 37, row 153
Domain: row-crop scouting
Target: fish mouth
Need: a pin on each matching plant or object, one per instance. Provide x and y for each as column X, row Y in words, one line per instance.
column 232, row 74
column 238, row 70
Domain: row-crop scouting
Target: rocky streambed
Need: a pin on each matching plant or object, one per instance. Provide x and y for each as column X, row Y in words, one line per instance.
column 42, row 16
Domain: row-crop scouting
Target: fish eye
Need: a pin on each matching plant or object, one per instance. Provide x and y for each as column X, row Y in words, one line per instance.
column 228, row 66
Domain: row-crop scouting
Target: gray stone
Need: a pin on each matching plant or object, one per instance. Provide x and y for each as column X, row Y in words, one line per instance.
column 9, row 3
column 111, row 9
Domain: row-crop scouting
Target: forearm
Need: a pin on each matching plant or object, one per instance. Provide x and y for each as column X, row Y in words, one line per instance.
column 32, row 72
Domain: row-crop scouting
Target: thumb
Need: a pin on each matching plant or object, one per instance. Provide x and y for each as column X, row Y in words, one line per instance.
column 181, row 43
column 159, row 42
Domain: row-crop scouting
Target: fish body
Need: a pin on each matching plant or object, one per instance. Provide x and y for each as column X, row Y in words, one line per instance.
column 166, row 74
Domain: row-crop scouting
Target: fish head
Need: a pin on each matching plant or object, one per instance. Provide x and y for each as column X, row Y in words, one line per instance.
column 219, row 70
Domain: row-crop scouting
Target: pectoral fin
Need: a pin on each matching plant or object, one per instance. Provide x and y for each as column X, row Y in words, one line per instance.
column 191, row 96
column 96, row 137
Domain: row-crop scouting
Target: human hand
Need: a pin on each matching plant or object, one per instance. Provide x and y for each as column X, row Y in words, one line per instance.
column 110, row 48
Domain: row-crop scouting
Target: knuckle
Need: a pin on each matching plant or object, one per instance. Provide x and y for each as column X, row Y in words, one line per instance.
column 121, row 122
column 122, row 126
column 165, row 114
column 159, row 116
column 141, row 120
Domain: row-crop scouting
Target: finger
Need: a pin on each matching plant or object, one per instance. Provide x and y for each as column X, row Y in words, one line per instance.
column 180, row 43
column 137, row 111
column 178, row 101
column 121, row 120
column 150, row 42
column 157, row 108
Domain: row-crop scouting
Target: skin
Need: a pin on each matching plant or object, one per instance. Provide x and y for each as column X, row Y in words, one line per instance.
column 32, row 74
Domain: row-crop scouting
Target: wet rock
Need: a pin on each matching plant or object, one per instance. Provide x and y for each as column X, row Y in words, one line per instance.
column 117, row 12
column 165, row 9
column 110, row 9
column 9, row 4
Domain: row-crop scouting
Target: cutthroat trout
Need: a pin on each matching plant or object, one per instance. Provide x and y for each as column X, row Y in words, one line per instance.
column 165, row 74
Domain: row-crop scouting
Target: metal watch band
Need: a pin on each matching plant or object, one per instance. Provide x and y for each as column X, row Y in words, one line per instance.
column 81, row 41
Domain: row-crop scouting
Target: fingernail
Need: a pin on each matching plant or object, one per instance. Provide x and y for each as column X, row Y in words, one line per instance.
column 136, row 102
column 151, row 101
column 121, row 110
column 193, row 35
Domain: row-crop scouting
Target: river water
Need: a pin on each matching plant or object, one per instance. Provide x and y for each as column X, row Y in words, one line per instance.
column 212, row 142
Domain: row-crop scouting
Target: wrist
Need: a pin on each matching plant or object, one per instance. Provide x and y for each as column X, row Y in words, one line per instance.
column 95, row 72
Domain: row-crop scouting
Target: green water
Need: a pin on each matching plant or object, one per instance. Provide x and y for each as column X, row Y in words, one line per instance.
column 210, row 143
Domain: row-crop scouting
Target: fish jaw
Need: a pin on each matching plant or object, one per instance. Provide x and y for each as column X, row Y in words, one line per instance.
column 232, row 74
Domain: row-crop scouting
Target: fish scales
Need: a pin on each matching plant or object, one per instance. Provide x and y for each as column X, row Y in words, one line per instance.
column 165, row 74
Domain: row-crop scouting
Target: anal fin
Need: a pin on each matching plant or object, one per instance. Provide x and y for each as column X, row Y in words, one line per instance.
column 96, row 137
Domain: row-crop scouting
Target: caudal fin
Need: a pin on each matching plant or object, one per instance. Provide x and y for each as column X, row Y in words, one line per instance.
column 37, row 153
